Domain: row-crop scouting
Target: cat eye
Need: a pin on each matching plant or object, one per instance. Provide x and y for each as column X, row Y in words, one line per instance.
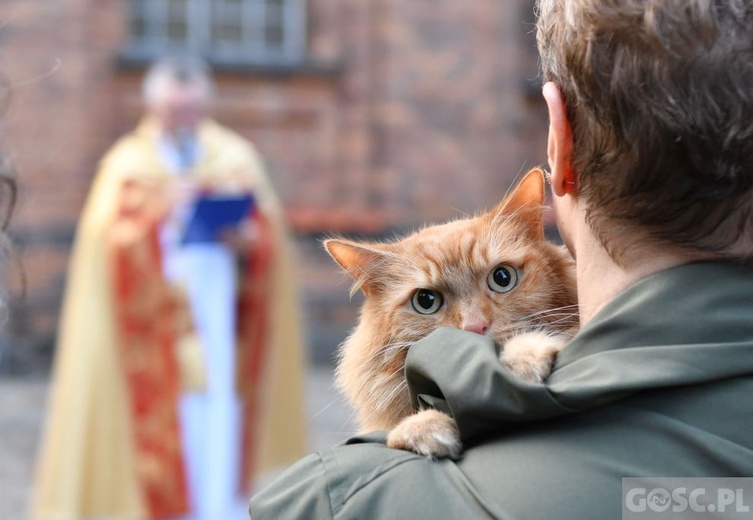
column 503, row 278
column 426, row 301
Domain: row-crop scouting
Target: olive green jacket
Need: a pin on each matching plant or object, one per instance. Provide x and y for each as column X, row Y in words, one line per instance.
column 659, row 383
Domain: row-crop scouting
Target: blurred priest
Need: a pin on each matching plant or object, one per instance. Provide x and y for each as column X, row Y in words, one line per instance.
column 178, row 372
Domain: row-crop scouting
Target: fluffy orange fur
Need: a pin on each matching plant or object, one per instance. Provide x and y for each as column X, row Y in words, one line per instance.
column 454, row 260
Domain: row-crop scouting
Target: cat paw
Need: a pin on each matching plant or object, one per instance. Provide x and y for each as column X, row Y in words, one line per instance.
column 531, row 355
column 429, row 433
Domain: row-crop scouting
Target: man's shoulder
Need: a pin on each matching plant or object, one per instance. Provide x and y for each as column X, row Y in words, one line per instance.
column 364, row 479
column 567, row 468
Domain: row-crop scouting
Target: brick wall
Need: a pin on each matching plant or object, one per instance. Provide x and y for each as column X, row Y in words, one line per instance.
column 60, row 119
column 408, row 112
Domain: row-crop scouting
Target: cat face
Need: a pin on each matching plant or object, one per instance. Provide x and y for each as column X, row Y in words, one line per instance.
column 493, row 274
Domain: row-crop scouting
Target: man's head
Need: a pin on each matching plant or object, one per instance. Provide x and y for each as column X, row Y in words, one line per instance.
column 177, row 91
column 658, row 98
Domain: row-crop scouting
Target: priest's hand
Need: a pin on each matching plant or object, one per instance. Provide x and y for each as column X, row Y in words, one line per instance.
column 243, row 238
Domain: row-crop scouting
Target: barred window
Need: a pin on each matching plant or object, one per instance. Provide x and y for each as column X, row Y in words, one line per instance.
column 253, row 31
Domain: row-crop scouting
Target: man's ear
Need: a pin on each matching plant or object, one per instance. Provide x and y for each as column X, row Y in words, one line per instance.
column 361, row 261
column 560, row 143
column 525, row 204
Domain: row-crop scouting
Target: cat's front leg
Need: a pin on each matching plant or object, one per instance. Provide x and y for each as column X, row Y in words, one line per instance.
column 428, row 432
column 531, row 355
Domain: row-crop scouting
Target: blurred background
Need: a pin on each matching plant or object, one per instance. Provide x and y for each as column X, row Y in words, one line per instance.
column 373, row 116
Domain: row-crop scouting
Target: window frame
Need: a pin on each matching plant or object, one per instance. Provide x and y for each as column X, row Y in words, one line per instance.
column 201, row 28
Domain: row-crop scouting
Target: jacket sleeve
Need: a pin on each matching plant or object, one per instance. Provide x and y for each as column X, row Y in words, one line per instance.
column 301, row 492
column 362, row 479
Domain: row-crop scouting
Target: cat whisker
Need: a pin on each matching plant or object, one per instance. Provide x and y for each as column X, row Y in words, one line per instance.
column 555, row 315
column 545, row 317
column 571, row 306
column 553, row 309
column 378, row 406
column 350, row 419
column 395, row 391
column 396, row 346
column 565, row 318
column 324, row 409
column 514, row 328
column 388, row 349
column 395, row 372
column 379, row 384
column 560, row 318
column 534, row 327
column 521, row 327
column 387, row 400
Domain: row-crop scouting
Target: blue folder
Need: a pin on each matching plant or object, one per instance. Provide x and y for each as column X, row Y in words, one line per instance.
column 214, row 213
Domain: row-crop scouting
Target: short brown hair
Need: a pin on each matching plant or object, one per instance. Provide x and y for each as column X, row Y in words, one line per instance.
column 659, row 94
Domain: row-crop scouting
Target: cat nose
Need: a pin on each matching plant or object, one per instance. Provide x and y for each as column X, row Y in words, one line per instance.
column 478, row 326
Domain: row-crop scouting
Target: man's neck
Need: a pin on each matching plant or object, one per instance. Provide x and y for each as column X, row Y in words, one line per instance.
column 600, row 279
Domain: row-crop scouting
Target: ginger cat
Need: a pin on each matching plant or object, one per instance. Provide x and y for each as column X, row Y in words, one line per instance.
column 494, row 274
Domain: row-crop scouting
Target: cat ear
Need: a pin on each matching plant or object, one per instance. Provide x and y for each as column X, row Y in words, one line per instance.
column 360, row 261
column 525, row 204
